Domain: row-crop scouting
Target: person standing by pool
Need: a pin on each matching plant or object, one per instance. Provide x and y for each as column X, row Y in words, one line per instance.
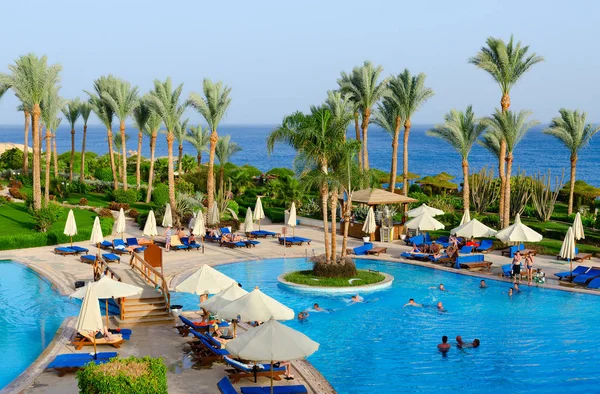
column 529, row 268
column 516, row 265
column 168, row 233
column 482, row 284
column 412, row 302
column 444, row 346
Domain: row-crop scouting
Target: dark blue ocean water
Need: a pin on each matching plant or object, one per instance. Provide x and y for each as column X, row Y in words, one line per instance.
column 428, row 155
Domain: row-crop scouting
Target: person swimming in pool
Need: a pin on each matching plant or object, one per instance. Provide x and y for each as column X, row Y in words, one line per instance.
column 440, row 307
column 482, row 284
column 317, row 308
column 412, row 302
column 302, row 315
column 462, row 344
column 510, row 292
column 357, row 298
column 516, row 287
column 440, row 287
column 444, row 346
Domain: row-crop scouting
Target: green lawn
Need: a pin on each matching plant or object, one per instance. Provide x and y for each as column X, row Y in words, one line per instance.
column 15, row 219
column 307, row 278
column 101, row 200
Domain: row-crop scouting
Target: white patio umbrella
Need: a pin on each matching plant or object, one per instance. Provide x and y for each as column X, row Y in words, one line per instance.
column 578, row 228
column 150, row 226
column 223, row 298
column 199, row 230
column 120, row 226
column 292, row 219
column 205, row 279
column 258, row 212
column 270, row 342
column 369, row 226
column 424, row 208
column 424, row 222
column 213, row 215
column 90, row 318
column 473, row 229
column 567, row 250
column 518, row 232
column 256, row 306
column 108, row 288
column 249, row 222
column 466, row 218
column 168, row 216
column 70, row 226
column 192, row 221
column 97, row 237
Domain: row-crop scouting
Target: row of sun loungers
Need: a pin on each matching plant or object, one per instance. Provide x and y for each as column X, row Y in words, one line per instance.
column 64, row 363
column 225, row 387
column 582, row 275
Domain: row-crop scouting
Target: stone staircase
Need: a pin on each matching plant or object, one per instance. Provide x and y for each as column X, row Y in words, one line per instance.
column 145, row 310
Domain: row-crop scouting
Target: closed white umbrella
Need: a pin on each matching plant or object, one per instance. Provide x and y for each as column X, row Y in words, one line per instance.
column 578, row 228
column 121, row 223
column 249, row 222
column 90, row 318
column 256, row 306
column 292, row 219
column 223, row 298
column 192, row 221
column 213, row 215
column 258, row 212
column 466, row 218
column 97, row 237
column 205, row 280
column 424, row 222
column 150, row 226
column 473, row 229
column 424, row 208
column 518, row 232
column 272, row 341
column 199, row 230
column 168, row 216
column 70, row 226
column 567, row 250
column 369, row 226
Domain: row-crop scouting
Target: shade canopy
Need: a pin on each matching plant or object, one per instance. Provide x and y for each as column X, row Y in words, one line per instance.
column 256, row 306
column 168, row 216
column 578, row 227
column 424, row 222
column 518, row 232
column 213, row 214
column 259, row 213
column 108, row 288
column 120, row 225
column 205, row 280
column 89, row 319
column 567, row 250
column 96, row 236
column 150, row 226
column 378, row 197
column 292, row 218
column 199, row 228
column 223, row 298
column 473, row 229
column 369, row 226
column 424, row 208
column 272, row 341
column 466, row 218
column 70, row 225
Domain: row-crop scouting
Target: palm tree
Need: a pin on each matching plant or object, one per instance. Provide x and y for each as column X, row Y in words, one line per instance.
column 141, row 114
column 123, row 99
column 30, row 78
column 225, row 149
column 164, row 101
column 85, row 109
column 105, row 113
column 51, row 106
column 506, row 63
column 364, row 89
column 509, row 127
column 570, row 129
column 409, row 93
column 72, row 113
column 152, row 126
column 199, row 138
column 460, row 130
column 180, row 136
column 212, row 107
column 389, row 117
column 119, row 142
column 27, row 113
column 340, row 105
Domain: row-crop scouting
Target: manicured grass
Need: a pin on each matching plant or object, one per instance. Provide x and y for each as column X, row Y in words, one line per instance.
column 101, row 200
column 16, row 219
column 307, row 278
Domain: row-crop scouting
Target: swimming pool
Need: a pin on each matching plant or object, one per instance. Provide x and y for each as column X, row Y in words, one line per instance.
column 30, row 313
column 538, row 341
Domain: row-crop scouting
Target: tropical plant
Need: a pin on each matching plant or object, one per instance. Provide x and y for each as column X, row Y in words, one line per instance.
column 484, row 190
column 141, row 114
column 119, row 142
column 199, row 138
column 180, row 133
column 389, row 117
column 152, row 126
column 520, row 193
column 224, row 151
column 506, row 63
column 570, row 129
column 542, row 196
column 363, row 87
column 27, row 113
column 50, row 108
column 188, row 163
column 72, row 113
column 212, row 106
column 84, row 109
column 460, row 130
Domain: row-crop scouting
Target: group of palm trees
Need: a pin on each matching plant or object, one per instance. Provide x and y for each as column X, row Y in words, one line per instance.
column 36, row 84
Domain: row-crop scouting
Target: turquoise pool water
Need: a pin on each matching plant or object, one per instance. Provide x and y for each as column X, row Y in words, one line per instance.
column 537, row 341
column 30, row 313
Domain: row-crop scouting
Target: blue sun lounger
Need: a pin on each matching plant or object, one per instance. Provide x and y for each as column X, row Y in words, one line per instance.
column 594, row 284
column 133, row 242
column 106, row 244
column 241, row 370
column 363, row 249
column 79, row 249
column 225, row 387
column 119, row 246
column 63, row 250
column 64, row 363
column 186, row 242
column 580, row 269
column 485, row 245
column 507, row 270
column 416, row 240
column 583, row 279
column 263, row 233
column 207, row 350
column 466, row 249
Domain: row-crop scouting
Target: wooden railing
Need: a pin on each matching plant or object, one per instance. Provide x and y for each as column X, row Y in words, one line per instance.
column 151, row 276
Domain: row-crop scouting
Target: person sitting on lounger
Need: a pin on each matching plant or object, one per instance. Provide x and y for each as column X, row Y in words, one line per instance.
column 435, row 249
column 412, row 302
column 444, row 346
column 452, row 252
column 192, row 239
column 288, row 366
column 181, row 233
column 416, row 249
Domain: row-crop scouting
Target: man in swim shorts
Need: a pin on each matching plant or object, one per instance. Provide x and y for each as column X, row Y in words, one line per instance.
column 444, row 346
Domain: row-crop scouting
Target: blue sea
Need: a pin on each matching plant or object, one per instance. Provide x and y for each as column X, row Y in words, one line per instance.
column 537, row 152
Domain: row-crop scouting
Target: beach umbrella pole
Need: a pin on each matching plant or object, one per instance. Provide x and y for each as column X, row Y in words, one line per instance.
column 571, row 266
column 95, row 351
column 271, row 376
column 71, row 238
column 106, row 300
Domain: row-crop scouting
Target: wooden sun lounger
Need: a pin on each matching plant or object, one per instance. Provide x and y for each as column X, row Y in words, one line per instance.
column 582, row 256
column 486, row 265
column 81, row 340
column 377, row 250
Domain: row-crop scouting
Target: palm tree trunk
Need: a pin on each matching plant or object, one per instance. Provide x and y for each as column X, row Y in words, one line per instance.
column 334, row 197
column 357, row 129
column 210, row 179
column 221, row 176
column 35, row 130
column 55, row 155
column 199, row 158
column 407, row 126
column 509, row 161
column 324, row 199
column 179, row 163
column 151, row 172
column 139, row 160
column 465, row 168
column 365, row 128
column 72, row 162
column 171, row 172
column 124, row 150
column 119, row 164
column 112, row 159
column 48, row 151
column 82, row 170
column 572, row 182
column 346, row 214
column 501, row 171
column 394, row 169
column 26, row 145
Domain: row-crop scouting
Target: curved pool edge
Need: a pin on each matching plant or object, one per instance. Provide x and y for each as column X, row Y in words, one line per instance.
column 384, row 284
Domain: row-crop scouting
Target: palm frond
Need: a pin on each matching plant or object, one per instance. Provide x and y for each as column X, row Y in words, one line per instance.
column 571, row 129
column 226, row 149
column 72, row 111
column 460, row 129
column 213, row 105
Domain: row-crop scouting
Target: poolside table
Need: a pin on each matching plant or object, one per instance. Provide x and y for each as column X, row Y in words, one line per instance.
column 377, row 250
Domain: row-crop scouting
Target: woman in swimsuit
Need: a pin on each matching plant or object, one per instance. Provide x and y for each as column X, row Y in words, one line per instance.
column 529, row 266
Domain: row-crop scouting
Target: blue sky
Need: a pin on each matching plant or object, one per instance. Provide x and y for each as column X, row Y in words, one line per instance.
column 282, row 56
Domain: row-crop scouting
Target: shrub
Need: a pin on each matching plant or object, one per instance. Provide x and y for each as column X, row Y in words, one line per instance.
column 414, row 188
column 14, row 183
column 234, row 206
column 83, row 201
column 185, row 187
column 12, row 159
column 141, row 219
column 129, row 196
column 46, row 216
column 491, row 221
column 103, row 174
column 115, row 206
column 133, row 213
column 160, row 195
column 131, row 375
column 105, row 213
column 78, row 187
column 5, row 199
column 276, row 215
column 343, row 268
column 16, row 193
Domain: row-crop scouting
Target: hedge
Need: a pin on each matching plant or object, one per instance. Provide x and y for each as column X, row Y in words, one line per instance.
column 131, row 375
column 276, row 215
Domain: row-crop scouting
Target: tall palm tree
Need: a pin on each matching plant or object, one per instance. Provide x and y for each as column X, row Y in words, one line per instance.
column 151, row 130
column 30, row 77
column 389, row 117
column 123, row 99
column 180, row 136
column 119, row 142
column 509, row 127
column 364, row 88
column 141, row 114
column 72, row 113
column 340, row 105
column 199, row 138
column 570, row 129
column 164, row 101
column 212, row 106
column 85, row 109
column 27, row 113
column 51, row 106
column 410, row 94
column 105, row 113
column 460, row 130
column 506, row 63
column 225, row 149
